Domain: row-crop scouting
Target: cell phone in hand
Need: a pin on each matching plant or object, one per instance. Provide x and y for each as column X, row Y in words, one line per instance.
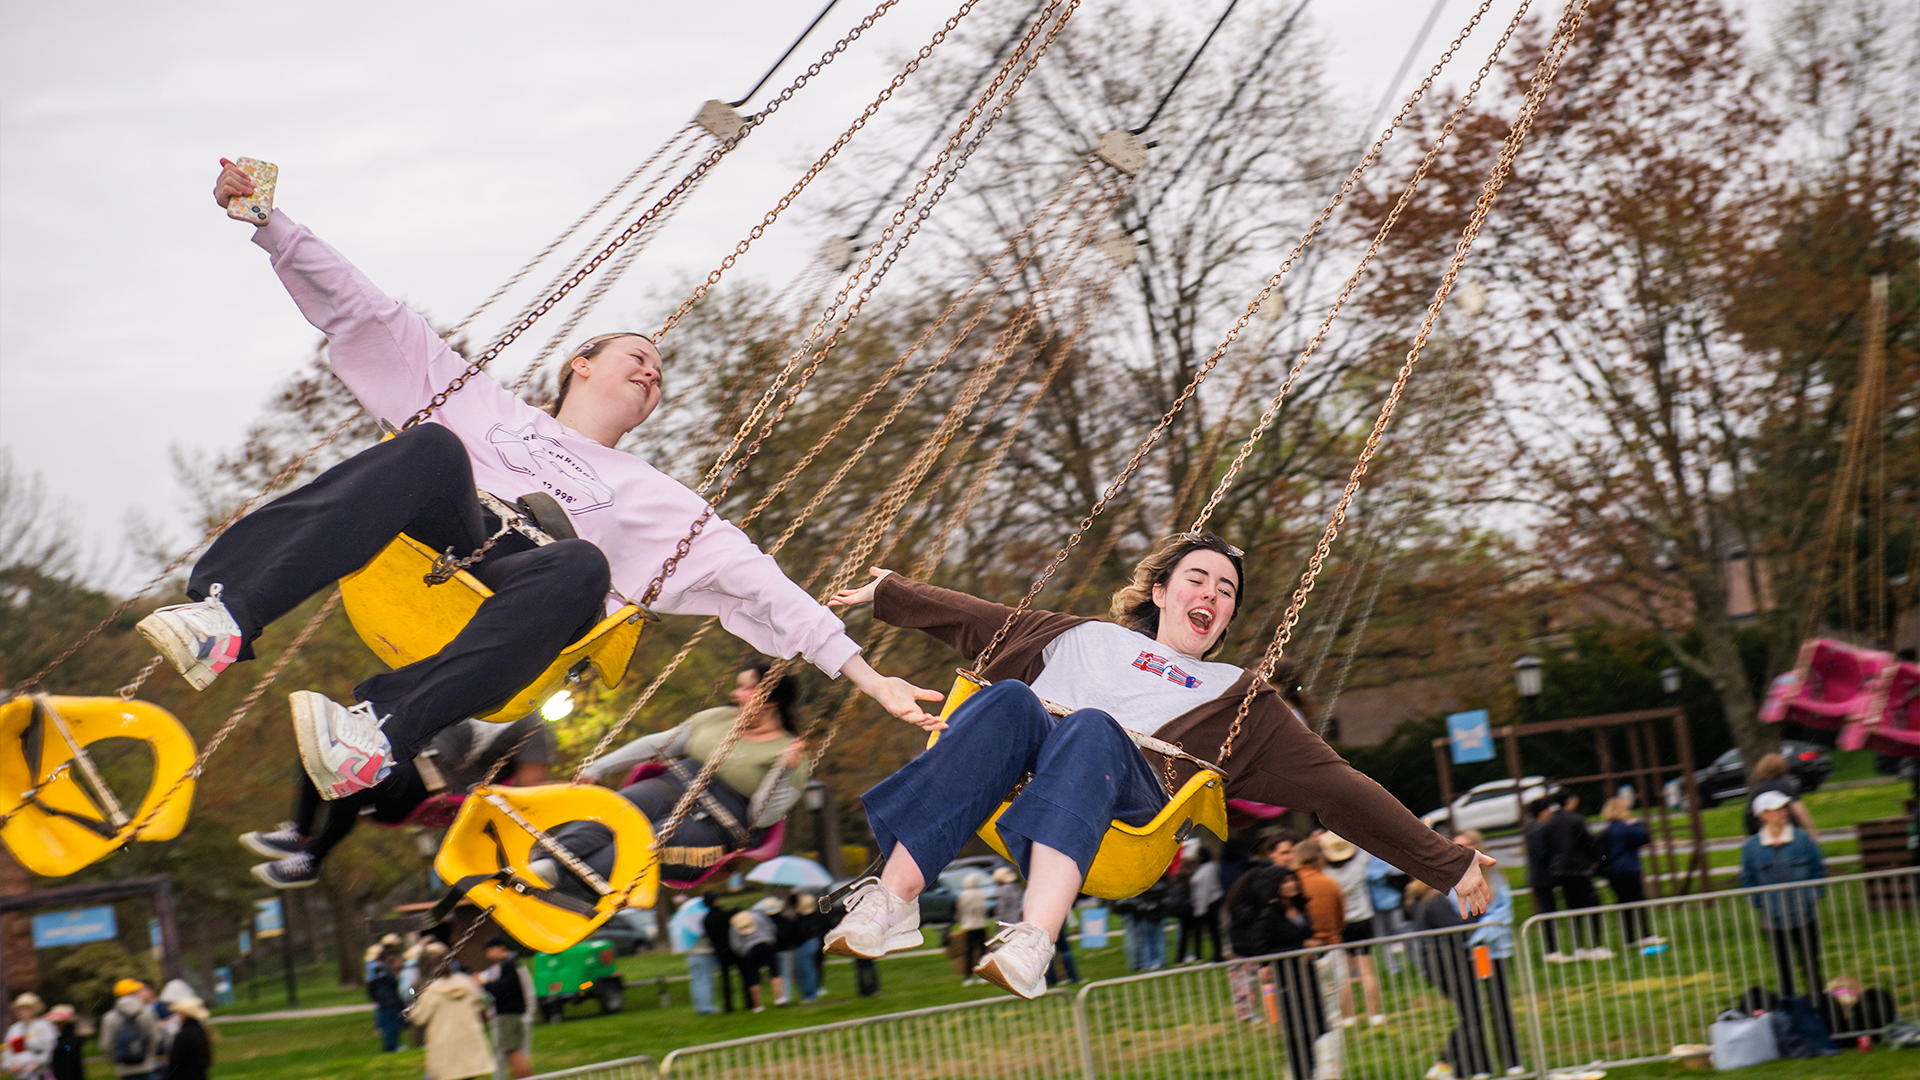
column 258, row 207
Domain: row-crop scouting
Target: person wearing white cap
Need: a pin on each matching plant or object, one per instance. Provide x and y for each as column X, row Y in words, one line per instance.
column 30, row 1040
column 1776, row 855
column 1347, row 866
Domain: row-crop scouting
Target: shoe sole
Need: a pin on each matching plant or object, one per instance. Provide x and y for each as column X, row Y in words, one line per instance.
column 912, row 939
column 162, row 636
column 252, row 842
column 989, row 970
column 261, row 873
column 305, row 724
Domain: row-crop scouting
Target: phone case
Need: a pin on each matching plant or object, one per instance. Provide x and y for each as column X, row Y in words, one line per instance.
column 258, row 207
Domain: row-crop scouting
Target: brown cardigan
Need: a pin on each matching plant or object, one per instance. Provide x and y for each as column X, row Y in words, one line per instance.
column 1276, row 759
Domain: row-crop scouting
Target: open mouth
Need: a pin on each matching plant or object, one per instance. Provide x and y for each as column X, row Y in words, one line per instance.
column 1201, row 620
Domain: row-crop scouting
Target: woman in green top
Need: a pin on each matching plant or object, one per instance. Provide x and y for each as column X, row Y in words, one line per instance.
column 754, row 787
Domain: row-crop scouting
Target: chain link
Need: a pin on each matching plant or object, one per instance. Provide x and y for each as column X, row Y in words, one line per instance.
column 1543, row 77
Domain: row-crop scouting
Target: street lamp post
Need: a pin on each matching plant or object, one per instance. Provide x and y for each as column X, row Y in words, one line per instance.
column 1528, row 676
column 1670, row 680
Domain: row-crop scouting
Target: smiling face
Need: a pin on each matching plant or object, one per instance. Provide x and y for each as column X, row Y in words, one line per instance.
column 743, row 687
column 1196, row 602
column 625, row 375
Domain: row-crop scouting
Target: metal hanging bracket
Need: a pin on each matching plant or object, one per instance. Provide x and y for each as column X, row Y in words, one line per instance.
column 1119, row 247
column 1123, row 150
column 720, row 120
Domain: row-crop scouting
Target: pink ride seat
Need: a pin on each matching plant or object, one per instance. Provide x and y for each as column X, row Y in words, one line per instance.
column 1892, row 723
column 767, row 848
column 1830, row 685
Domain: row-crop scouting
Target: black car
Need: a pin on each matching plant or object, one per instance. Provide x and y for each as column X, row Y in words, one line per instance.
column 938, row 898
column 1726, row 778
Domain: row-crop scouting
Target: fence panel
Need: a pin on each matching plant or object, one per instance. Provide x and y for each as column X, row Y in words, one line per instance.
column 1281, row 1016
column 1636, row 998
column 633, row 1068
column 1000, row 1038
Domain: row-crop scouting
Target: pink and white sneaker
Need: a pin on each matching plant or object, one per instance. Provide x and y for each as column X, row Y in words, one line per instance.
column 343, row 748
column 198, row 639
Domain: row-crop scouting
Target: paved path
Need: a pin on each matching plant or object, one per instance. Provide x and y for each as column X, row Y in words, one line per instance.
column 297, row 1014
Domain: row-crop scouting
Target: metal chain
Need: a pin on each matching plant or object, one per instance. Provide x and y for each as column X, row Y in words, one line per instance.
column 1206, row 368
column 1353, row 280
column 1544, row 74
column 453, row 954
column 128, row 692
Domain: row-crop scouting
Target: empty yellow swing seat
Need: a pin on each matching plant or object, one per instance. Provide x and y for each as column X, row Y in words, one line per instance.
column 57, row 815
column 1131, row 857
column 485, row 856
column 403, row 619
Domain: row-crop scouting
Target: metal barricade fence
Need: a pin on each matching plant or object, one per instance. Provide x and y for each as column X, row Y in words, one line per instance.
column 632, row 1068
column 1667, row 968
column 1000, row 1037
column 1281, row 1015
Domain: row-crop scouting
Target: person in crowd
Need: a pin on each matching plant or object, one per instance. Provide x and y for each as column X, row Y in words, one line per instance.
column 755, row 786
column 1347, row 866
column 1385, row 885
column 455, row 761
column 1447, row 963
column 700, row 962
column 68, row 1061
column 1064, row 967
column 129, row 1035
column 1494, row 931
column 1539, row 876
column 1771, row 773
column 1620, row 846
column 190, row 1054
column 1572, row 861
column 1203, row 914
column 452, row 1010
column 1143, row 674
column 719, row 926
column 30, row 1040
column 1146, row 931
column 786, row 941
column 1236, row 858
column 970, row 918
column 510, row 985
column 1326, row 904
column 1778, row 854
column 752, row 938
column 383, row 989
column 1010, row 897
column 1269, row 915
column 812, row 926
column 1274, row 847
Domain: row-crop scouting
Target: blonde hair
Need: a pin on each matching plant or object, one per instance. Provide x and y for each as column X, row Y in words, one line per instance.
column 1616, row 809
column 1418, row 890
column 1474, row 838
column 588, row 349
column 1307, row 853
column 1769, row 767
column 1133, row 606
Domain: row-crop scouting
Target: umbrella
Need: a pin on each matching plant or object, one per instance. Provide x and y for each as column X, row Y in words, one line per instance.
column 793, row 872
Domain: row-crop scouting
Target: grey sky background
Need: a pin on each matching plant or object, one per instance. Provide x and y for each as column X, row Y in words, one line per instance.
column 437, row 144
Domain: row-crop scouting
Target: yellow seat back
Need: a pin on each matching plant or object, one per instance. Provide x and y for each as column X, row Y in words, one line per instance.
column 52, row 824
column 484, row 840
column 1131, row 857
column 403, row 619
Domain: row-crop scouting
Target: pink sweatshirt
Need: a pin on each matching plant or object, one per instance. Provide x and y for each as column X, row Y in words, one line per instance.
column 394, row 363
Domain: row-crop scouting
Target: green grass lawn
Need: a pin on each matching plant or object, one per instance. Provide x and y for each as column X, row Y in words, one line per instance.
column 1846, row 1066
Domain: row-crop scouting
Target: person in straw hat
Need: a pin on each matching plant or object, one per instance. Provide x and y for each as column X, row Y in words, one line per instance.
column 1347, row 866
column 30, row 1040
column 191, row 1054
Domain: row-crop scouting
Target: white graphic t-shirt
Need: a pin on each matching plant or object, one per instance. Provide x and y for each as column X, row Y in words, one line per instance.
column 1130, row 676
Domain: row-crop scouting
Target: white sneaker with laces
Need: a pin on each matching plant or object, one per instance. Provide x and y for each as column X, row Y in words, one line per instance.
column 1558, row 958
column 1600, row 952
column 343, row 748
column 278, row 844
column 1440, row 1071
column 1583, row 954
column 199, row 639
column 1017, row 959
column 877, row 923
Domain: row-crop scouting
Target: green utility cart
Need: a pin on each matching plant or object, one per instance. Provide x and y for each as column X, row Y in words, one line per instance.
column 582, row 972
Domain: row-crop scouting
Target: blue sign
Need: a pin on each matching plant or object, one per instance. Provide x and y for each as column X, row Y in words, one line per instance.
column 223, row 986
column 153, row 934
column 266, row 919
column 1472, row 736
column 246, row 943
column 1093, row 928
column 75, row 927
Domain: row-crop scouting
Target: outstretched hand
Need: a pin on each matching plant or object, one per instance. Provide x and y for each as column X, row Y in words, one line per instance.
column 861, row 595
column 233, row 181
column 896, row 695
column 1474, row 892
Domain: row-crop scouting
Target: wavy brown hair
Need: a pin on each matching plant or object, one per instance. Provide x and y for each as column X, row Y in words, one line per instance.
column 1133, row 606
column 587, row 351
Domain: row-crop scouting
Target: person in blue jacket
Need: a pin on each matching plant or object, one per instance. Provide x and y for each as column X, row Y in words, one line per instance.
column 1778, row 854
column 1620, row 845
column 1495, row 931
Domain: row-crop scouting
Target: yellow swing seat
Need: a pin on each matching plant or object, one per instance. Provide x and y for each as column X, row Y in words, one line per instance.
column 403, row 619
column 1131, row 857
column 51, row 817
column 486, row 852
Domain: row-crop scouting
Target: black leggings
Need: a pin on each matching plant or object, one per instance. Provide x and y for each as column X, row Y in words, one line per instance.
column 1500, row 1004
column 1802, row 941
column 392, row 800
column 1587, row 930
column 1630, row 889
column 420, row 483
column 1297, row 996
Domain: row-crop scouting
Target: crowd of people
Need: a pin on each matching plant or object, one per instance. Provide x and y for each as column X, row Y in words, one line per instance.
column 142, row 1036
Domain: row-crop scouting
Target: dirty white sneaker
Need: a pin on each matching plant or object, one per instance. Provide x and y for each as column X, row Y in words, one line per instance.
column 1558, row 958
column 1599, row 952
column 343, row 748
column 198, row 639
column 1440, row 1071
column 1017, row 959
column 877, row 923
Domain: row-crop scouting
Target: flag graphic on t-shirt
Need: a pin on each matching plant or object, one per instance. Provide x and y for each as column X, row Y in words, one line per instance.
column 1160, row 665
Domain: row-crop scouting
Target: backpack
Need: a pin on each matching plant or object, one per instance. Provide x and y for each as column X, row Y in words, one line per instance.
column 130, row 1043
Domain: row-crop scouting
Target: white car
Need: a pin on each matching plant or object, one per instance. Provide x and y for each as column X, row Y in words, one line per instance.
column 1491, row 805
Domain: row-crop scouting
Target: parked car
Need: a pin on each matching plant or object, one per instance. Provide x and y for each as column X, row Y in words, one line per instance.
column 629, row 929
column 1726, row 777
column 1491, row 805
column 937, row 899
column 585, row 971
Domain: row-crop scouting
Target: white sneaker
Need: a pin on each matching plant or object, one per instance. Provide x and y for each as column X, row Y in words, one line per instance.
column 1583, row 954
column 198, row 639
column 1560, row 957
column 1377, row 1020
column 1651, row 940
column 1440, row 1071
column 343, row 748
column 877, row 923
column 1600, row 952
column 1017, row 959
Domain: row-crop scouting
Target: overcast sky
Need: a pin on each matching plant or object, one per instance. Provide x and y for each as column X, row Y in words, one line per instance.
column 436, row 144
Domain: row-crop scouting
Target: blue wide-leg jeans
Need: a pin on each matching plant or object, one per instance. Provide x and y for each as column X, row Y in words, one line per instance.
column 1086, row 774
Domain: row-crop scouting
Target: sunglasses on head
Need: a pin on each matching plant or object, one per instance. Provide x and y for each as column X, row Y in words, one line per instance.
column 1196, row 538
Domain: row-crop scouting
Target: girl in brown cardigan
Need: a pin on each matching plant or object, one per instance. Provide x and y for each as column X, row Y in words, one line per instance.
column 1144, row 671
